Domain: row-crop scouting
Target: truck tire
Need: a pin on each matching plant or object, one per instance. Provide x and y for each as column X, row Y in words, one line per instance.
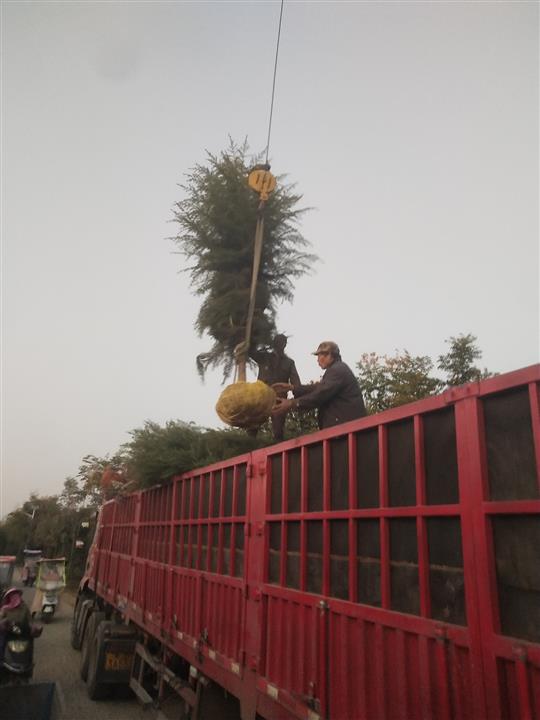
column 75, row 638
column 88, row 640
column 96, row 690
column 76, row 630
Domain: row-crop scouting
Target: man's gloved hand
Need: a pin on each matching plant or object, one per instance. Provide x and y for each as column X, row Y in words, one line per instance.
column 282, row 387
column 283, row 405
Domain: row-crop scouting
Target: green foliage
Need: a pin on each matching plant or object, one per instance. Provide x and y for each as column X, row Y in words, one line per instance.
column 41, row 523
column 88, row 488
column 458, row 362
column 217, row 222
column 389, row 381
column 16, row 531
column 156, row 454
column 299, row 423
column 48, row 533
column 72, row 496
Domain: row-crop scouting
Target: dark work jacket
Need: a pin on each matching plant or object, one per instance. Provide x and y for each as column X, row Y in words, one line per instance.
column 275, row 368
column 337, row 396
column 19, row 616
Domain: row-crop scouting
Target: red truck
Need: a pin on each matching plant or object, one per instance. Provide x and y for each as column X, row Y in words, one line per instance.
column 385, row 568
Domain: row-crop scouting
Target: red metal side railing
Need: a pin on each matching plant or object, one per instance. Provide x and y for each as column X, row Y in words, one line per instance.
column 501, row 444
column 391, row 521
column 208, row 578
column 387, row 568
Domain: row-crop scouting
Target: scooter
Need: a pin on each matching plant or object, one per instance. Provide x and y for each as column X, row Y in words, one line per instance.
column 50, row 583
column 18, row 661
column 49, row 604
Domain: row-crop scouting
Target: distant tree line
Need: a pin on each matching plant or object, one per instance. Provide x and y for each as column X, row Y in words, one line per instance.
column 156, row 453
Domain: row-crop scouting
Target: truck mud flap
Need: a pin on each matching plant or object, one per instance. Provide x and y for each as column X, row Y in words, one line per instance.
column 116, row 646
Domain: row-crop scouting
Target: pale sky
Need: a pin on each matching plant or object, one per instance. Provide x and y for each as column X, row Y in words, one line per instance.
column 411, row 127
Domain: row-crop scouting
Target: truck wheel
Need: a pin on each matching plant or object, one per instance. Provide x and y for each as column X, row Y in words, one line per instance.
column 74, row 633
column 77, row 629
column 96, row 690
column 88, row 639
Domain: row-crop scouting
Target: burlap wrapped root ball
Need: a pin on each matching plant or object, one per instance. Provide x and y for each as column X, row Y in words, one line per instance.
column 245, row 404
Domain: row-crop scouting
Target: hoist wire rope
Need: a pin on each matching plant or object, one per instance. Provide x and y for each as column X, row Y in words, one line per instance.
column 274, row 83
column 241, row 357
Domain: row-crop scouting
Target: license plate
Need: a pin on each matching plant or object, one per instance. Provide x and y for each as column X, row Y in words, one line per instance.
column 118, row 661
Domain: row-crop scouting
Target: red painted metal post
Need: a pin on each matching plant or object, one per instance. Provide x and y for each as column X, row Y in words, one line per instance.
column 479, row 581
column 353, row 503
column 234, row 501
column 421, row 526
column 380, row 685
column 323, row 658
column 442, row 680
column 399, row 662
column 304, row 479
column 255, row 604
column 284, row 482
column 384, row 529
column 327, row 476
column 303, row 555
column 525, row 705
column 534, row 395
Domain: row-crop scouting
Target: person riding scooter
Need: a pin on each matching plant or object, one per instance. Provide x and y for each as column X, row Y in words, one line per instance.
column 13, row 609
column 29, row 571
column 17, row 635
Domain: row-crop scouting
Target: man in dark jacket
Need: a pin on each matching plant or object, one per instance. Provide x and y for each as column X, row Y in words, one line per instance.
column 337, row 396
column 276, row 368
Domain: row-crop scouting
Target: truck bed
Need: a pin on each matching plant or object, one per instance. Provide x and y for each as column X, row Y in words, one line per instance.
column 385, row 568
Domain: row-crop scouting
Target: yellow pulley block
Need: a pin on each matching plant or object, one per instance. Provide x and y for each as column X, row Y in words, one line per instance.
column 262, row 181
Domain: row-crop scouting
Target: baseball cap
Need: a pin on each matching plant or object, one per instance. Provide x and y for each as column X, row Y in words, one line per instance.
column 327, row 347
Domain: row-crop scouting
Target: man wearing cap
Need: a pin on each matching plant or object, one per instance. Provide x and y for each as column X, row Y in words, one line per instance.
column 337, row 396
column 276, row 368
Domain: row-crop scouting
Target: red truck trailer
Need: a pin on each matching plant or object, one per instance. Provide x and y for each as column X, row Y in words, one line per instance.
column 387, row 568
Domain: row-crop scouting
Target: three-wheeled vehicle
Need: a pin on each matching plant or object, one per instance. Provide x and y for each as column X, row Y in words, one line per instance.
column 51, row 580
column 7, row 566
column 29, row 571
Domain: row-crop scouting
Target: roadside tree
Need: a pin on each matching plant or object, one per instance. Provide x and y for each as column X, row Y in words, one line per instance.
column 458, row 362
column 389, row 381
